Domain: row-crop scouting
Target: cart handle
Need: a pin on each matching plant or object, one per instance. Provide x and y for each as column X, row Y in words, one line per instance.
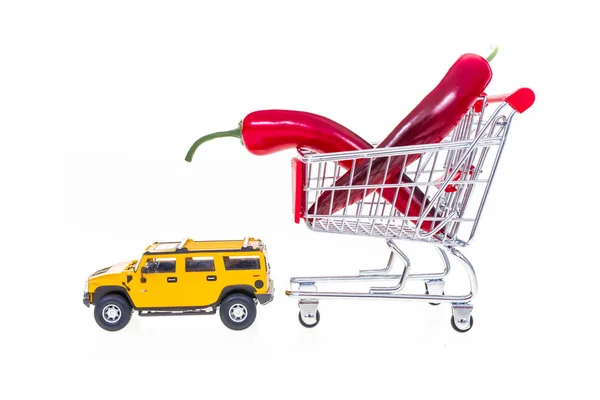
column 520, row 100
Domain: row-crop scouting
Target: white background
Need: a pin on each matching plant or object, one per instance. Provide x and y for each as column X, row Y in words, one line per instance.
column 100, row 101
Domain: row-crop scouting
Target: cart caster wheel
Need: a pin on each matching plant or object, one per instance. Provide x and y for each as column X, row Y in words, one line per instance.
column 437, row 289
column 314, row 323
column 461, row 330
column 434, row 304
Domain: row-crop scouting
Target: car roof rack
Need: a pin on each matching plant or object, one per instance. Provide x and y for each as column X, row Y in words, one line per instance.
column 163, row 247
column 251, row 244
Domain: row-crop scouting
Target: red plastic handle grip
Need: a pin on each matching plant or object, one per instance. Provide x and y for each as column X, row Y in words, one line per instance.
column 520, row 100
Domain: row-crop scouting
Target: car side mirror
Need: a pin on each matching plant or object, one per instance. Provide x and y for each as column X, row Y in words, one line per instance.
column 144, row 271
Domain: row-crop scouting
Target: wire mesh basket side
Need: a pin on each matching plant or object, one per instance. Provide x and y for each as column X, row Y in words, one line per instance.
column 448, row 182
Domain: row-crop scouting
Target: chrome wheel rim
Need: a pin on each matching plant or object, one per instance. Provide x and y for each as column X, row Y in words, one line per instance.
column 238, row 313
column 111, row 313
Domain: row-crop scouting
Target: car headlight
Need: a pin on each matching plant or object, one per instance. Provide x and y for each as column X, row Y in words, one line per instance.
column 85, row 287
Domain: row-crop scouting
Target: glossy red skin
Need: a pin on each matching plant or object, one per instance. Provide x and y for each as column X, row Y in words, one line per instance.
column 429, row 122
column 269, row 131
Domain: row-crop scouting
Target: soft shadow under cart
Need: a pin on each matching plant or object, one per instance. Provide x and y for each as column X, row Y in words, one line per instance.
column 455, row 176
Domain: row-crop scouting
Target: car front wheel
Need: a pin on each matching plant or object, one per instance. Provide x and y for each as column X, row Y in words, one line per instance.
column 112, row 313
column 237, row 311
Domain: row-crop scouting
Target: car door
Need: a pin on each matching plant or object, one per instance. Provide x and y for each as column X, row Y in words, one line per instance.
column 159, row 287
column 201, row 283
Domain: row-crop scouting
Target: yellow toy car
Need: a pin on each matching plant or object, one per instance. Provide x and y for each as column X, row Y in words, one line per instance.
column 182, row 278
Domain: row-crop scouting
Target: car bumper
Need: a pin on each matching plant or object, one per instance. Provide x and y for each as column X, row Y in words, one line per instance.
column 86, row 299
column 267, row 297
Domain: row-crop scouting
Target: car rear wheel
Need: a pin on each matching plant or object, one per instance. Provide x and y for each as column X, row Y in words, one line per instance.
column 237, row 311
column 112, row 313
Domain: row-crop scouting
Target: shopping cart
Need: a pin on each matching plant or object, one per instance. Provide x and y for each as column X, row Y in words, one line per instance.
column 455, row 177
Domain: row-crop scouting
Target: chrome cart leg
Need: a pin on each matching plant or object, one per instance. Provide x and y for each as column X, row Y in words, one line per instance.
column 461, row 320
column 435, row 275
column 445, row 260
column 470, row 272
column 382, row 271
column 405, row 272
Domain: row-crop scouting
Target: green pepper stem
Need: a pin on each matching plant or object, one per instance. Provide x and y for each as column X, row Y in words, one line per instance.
column 236, row 133
column 492, row 54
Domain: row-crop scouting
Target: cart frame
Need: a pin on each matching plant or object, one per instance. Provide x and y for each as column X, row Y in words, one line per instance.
column 466, row 162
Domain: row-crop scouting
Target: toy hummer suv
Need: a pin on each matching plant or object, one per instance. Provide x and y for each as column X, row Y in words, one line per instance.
column 182, row 278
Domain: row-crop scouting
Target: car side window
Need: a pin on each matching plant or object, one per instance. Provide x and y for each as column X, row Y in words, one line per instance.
column 199, row 264
column 241, row 263
column 158, row 265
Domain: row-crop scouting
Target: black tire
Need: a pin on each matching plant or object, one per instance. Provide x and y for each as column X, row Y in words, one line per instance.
column 112, row 312
column 461, row 330
column 304, row 324
column 237, row 311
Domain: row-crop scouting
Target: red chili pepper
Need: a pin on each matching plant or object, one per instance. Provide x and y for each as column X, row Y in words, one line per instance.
column 429, row 122
column 269, row 131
